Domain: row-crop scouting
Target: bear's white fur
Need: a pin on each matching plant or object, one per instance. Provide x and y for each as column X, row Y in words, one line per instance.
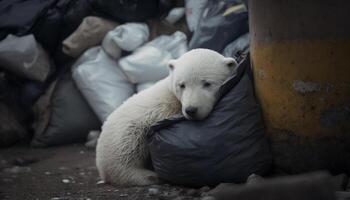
column 191, row 87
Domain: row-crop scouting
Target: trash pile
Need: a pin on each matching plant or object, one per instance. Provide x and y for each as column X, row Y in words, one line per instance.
column 66, row 65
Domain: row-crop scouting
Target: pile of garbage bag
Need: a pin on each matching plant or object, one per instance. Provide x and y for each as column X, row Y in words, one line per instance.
column 66, row 65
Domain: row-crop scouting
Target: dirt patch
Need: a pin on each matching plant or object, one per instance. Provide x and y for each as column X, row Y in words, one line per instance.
column 67, row 173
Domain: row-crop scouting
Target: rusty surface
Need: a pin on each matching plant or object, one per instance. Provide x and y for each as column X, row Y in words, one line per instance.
column 300, row 53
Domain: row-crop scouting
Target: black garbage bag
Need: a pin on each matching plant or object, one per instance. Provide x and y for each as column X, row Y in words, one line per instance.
column 50, row 21
column 60, row 20
column 14, row 118
column 130, row 10
column 227, row 146
column 48, row 28
column 221, row 23
column 69, row 118
column 19, row 16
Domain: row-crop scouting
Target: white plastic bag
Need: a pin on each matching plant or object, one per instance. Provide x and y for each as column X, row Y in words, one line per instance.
column 25, row 57
column 194, row 10
column 148, row 63
column 175, row 15
column 101, row 81
column 126, row 37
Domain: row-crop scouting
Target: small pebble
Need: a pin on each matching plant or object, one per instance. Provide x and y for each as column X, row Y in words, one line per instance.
column 123, row 195
column 153, row 191
column 47, row 173
column 82, row 152
column 65, row 181
column 62, row 168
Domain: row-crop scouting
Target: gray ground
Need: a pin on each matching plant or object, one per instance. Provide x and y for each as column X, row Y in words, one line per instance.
column 69, row 172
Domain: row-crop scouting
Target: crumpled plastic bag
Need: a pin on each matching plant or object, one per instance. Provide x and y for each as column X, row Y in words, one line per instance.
column 175, row 15
column 126, row 37
column 101, row 81
column 221, row 22
column 194, row 10
column 65, row 117
column 25, row 57
column 148, row 63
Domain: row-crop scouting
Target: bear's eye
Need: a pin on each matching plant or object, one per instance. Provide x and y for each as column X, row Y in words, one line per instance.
column 206, row 84
column 182, row 85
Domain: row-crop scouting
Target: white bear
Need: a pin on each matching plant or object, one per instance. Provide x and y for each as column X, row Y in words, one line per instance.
column 191, row 87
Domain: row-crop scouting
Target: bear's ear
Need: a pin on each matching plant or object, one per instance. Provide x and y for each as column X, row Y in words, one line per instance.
column 171, row 65
column 230, row 62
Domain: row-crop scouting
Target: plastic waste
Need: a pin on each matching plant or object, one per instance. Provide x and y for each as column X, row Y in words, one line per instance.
column 175, row 15
column 25, row 57
column 101, row 81
column 126, row 37
column 194, row 9
column 148, row 63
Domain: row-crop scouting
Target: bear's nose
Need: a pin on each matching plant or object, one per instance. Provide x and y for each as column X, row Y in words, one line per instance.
column 191, row 111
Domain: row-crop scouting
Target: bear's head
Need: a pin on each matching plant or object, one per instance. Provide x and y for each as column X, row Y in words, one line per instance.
column 196, row 78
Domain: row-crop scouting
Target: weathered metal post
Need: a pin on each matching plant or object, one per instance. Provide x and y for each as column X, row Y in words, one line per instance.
column 300, row 52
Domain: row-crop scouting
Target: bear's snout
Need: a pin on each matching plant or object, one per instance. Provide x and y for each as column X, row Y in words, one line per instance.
column 191, row 111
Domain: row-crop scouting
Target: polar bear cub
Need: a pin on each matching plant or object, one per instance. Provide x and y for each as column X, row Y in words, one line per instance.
column 191, row 88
